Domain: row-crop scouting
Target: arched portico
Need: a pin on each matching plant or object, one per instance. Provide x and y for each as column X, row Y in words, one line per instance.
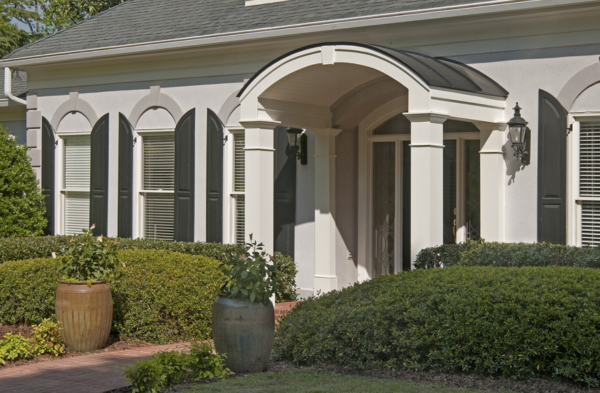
column 307, row 88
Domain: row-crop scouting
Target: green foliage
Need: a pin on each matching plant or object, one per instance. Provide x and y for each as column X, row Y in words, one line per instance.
column 28, row 290
column 286, row 278
column 505, row 322
column 163, row 296
column 251, row 276
column 171, row 368
column 480, row 253
column 60, row 14
column 14, row 347
column 47, row 339
column 89, row 258
column 22, row 206
column 11, row 36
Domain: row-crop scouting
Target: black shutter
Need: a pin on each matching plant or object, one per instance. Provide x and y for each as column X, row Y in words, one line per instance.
column 184, row 177
column 214, row 179
column 552, row 170
column 99, row 177
column 285, row 194
column 48, row 186
column 125, row 177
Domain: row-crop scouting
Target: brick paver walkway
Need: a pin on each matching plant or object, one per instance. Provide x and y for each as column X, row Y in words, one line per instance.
column 96, row 373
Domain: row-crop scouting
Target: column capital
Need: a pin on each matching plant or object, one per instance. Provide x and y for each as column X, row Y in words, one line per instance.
column 489, row 127
column 260, row 124
column 429, row 117
column 330, row 132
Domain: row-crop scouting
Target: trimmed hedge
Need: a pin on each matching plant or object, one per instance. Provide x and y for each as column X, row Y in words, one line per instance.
column 508, row 322
column 159, row 296
column 43, row 247
column 480, row 253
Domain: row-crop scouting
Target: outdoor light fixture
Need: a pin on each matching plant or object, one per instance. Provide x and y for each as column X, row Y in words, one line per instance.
column 519, row 136
column 298, row 143
column 16, row 75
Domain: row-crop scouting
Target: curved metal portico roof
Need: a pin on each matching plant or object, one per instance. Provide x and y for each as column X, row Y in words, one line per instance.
column 434, row 71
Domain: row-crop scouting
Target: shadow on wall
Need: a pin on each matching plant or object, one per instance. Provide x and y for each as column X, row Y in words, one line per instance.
column 512, row 164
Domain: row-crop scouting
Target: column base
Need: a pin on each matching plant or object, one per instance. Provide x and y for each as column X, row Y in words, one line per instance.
column 325, row 284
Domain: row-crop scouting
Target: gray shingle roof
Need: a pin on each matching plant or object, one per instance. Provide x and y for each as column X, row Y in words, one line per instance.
column 142, row 21
column 18, row 88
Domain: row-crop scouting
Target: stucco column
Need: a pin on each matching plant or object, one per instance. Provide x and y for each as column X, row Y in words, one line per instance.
column 325, row 229
column 426, row 194
column 260, row 181
column 492, row 175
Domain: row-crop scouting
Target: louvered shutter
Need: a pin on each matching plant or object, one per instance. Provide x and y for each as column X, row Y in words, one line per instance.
column 125, row 219
column 589, row 182
column 552, row 170
column 77, row 184
column 214, row 179
column 239, row 186
column 48, row 165
column 284, row 194
column 99, row 177
column 158, row 185
column 184, row 177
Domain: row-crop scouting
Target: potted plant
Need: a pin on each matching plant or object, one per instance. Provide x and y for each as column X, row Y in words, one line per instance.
column 84, row 304
column 243, row 315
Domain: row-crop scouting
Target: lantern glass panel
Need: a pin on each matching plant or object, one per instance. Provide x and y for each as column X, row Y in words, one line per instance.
column 517, row 134
column 293, row 139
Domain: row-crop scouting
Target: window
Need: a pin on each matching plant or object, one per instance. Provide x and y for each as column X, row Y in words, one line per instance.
column 239, row 179
column 589, row 183
column 76, row 184
column 158, row 186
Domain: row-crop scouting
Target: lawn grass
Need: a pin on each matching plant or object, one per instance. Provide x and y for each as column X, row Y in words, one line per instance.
column 322, row 382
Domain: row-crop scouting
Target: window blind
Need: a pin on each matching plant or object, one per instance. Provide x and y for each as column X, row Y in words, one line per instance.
column 239, row 163
column 589, row 182
column 158, row 178
column 239, row 180
column 77, row 184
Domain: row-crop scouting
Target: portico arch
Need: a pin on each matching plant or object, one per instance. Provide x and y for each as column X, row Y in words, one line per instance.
column 300, row 89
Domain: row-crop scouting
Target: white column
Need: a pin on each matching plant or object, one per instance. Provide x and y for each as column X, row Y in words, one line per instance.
column 260, row 181
column 427, row 144
column 492, row 175
column 325, row 229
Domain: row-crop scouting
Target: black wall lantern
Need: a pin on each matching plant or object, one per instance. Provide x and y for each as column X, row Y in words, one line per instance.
column 298, row 143
column 519, row 136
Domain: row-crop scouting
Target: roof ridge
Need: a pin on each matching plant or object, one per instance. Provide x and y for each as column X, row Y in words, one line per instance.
column 68, row 28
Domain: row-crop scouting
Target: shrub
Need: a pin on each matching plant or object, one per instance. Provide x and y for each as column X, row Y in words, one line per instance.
column 171, row 368
column 162, row 296
column 28, row 290
column 507, row 322
column 286, row 277
column 480, row 253
column 47, row 339
column 14, row 347
column 43, row 247
column 21, row 203
column 158, row 296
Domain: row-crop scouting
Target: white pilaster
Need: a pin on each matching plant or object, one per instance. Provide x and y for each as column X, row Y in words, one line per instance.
column 427, row 144
column 260, row 181
column 492, row 175
column 325, row 228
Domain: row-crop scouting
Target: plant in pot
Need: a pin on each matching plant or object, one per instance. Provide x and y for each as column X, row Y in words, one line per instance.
column 243, row 314
column 84, row 304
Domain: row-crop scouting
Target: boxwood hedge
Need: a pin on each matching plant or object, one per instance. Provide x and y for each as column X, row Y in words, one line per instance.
column 480, row 253
column 508, row 322
column 159, row 296
column 43, row 246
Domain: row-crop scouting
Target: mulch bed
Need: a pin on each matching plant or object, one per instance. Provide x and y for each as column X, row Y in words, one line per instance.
column 115, row 343
column 533, row 385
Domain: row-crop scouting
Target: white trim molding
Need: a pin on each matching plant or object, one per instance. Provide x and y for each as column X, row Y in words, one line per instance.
column 74, row 104
column 155, row 99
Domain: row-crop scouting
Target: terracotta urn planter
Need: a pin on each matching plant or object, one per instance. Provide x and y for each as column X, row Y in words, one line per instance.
column 244, row 331
column 85, row 314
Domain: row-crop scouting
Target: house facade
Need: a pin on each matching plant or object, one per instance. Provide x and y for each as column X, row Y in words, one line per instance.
column 173, row 119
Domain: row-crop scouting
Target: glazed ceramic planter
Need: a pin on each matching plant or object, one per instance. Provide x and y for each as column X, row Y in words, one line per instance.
column 245, row 332
column 85, row 314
